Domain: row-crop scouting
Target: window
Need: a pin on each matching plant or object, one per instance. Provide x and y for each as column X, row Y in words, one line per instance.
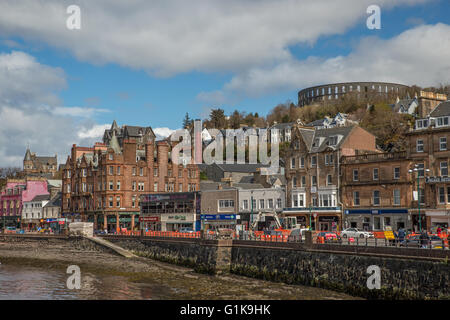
column 396, row 197
column 332, row 141
column 155, row 187
column 155, row 172
column 442, row 143
column 180, row 173
column 118, row 170
column 110, row 202
column 270, row 204
column 111, row 157
column 442, row 121
column 261, row 203
column 313, row 180
column 133, row 202
column 294, row 182
column 303, row 181
column 313, row 161
column 295, row 200
column 329, row 179
column 253, row 204
column 292, row 163
column 118, row 202
column 133, row 186
column 84, row 172
column 448, row 194
column 314, row 202
column 141, row 186
column 326, row 159
column 444, row 168
column 397, row 173
column 441, row 195
column 355, row 175
column 245, row 204
column 419, row 145
column 224, row 204
column 134, row 171
column 356, row 198
column 302, row 162
column 111, row 170
column 180, row 187
column 421, row 196
column 279, row 202
column 111, row 185
column 141, row 171
column 375, row 174
column 376, row 198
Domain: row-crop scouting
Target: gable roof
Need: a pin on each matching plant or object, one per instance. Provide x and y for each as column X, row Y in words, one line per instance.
column 442, row 109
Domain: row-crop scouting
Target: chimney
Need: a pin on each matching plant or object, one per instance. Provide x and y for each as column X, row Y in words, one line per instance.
column 228, row 181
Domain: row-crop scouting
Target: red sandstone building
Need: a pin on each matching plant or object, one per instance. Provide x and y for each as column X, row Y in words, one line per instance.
column 103, row 184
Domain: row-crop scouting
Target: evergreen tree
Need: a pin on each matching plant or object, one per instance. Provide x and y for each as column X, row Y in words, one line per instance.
column 187, row 121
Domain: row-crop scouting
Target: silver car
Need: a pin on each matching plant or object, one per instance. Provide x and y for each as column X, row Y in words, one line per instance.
column 355, row 233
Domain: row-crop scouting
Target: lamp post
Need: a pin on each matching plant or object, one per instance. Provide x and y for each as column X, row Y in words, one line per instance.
column 310, row 213
column 416, row 170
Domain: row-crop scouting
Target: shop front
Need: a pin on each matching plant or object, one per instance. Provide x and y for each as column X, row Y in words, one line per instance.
column 174, row 222
column 128, row 221
column 214, row 222
column 378, row 219
column 318, row 218
column 437, row 218
column 150, row 223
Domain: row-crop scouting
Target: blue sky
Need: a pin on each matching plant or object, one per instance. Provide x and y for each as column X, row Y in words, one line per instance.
column 158, row 91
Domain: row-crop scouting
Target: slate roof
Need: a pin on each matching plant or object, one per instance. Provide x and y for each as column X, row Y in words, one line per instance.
column 442, row 109
column 41, row 197
column 245, row 167
column 403, row 105
column 282, row 125
column 55, row 201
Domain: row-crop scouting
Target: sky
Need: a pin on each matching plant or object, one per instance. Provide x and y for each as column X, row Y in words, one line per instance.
column 147, row 63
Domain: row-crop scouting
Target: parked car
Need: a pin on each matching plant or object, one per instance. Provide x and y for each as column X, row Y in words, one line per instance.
column 355, row 233
column 186, row 230
column 297, row 234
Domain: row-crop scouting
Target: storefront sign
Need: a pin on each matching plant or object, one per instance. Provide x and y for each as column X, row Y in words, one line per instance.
column 148, row 219
column 376, row 211
column 178, row 217
column 218, row 217
column 438, row 179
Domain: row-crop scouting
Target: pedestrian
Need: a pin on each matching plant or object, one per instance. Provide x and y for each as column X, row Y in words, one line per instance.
column 438, row 231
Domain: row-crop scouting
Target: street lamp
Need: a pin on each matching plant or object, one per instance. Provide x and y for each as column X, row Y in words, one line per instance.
column 416, row 169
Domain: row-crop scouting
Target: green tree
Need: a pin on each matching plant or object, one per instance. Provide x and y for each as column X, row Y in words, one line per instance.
column 187, row 122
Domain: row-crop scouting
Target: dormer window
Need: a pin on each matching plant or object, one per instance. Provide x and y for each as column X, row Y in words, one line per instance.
column 332, row 141
column 422, row 124
column 316, row 143
column 442, row 122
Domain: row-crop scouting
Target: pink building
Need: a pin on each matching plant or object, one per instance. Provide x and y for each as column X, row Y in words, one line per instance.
column 14, row 194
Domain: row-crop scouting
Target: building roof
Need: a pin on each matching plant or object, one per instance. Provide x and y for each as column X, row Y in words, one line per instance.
column 55, row 201
column 282, row 125
column 403, row 105
column 245, row 167
column 41, row 197
column 442, row 109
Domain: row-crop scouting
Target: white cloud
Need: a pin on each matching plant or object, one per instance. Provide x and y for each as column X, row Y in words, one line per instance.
column 78, row 111
column 95, row 132
column 416, row 56
column 175, row 36
column 163, row 132
column 30, row 111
